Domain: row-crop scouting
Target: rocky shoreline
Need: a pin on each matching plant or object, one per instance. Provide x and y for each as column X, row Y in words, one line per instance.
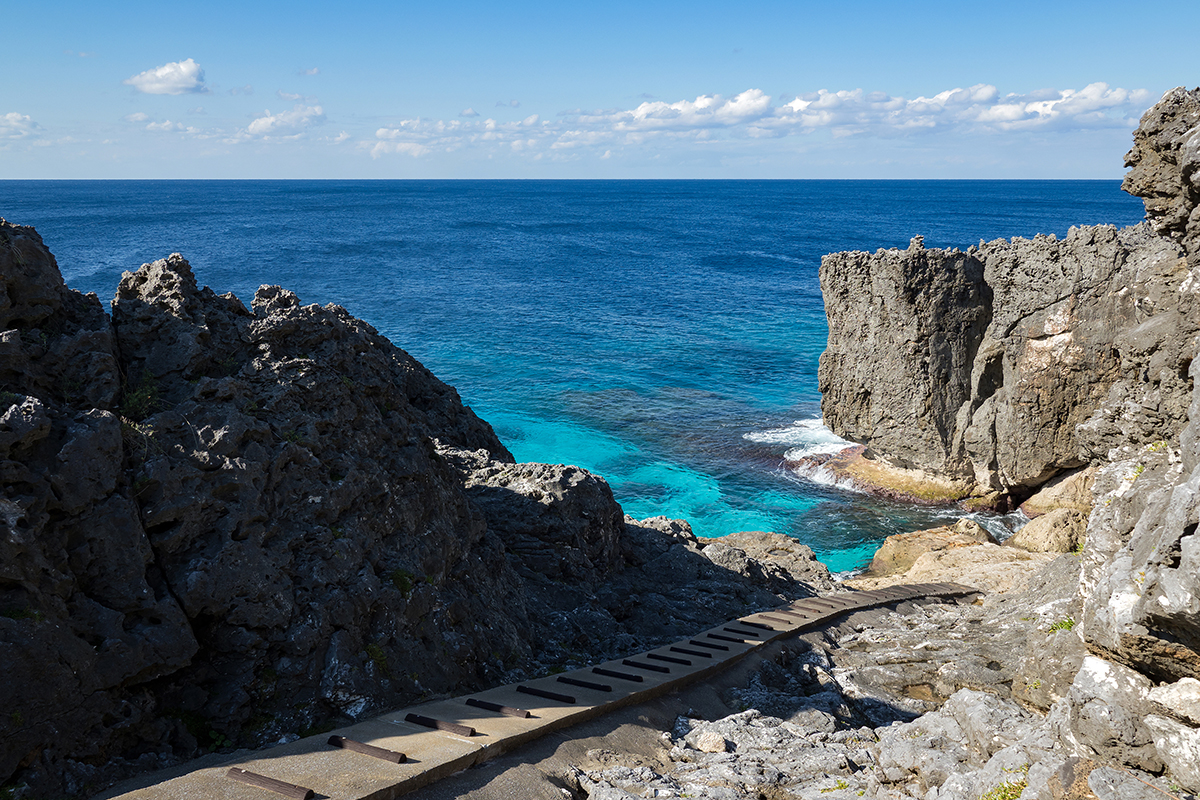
column 1058, row 375
column 229, row 526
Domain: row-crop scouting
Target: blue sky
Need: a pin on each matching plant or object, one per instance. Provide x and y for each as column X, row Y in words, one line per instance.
column 553, row 90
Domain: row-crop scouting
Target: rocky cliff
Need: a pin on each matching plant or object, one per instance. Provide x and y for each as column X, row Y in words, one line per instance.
column 224, row 525
column 1013, row 362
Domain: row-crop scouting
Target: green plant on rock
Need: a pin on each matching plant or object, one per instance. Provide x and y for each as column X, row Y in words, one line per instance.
column 141, row 399
column 1009, row 790
column 402, row 579
column 376, row 654
column 841, row 784
column 1063, row 625
column 22, row 613
column 139, row 439
column 8, row 400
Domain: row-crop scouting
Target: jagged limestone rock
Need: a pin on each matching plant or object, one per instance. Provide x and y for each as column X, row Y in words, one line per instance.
column 1059, row 531
column 1020, row 352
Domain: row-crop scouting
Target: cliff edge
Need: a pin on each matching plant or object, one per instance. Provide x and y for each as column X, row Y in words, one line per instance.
column 1012, row 363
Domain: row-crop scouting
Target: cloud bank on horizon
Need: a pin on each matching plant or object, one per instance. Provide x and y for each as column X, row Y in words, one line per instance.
column 654, row 128
column 751, row 114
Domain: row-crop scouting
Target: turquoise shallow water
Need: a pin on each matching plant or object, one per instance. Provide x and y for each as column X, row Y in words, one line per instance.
column 664, row 334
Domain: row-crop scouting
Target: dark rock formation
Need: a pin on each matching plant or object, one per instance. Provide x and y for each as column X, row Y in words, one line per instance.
column 226, row 525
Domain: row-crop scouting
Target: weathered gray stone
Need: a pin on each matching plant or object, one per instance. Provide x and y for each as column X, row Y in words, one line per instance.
column 1165, row 162
column 1030, row 357
column 1108, row 706
column 1059, row 531
column 1180, row 699
column 1178, row 746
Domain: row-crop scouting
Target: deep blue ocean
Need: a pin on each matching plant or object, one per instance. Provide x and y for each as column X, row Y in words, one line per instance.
column 663, row 334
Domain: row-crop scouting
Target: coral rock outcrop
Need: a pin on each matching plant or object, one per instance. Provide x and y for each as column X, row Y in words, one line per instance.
column 224, row 525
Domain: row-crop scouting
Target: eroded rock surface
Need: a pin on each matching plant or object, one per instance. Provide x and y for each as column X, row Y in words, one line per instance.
column 233, row 524
column 995, row 394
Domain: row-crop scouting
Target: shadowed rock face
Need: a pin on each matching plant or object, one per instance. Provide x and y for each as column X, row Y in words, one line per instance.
column 221, row 525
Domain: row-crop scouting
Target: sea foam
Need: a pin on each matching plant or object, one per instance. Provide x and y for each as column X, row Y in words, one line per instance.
column 804, row 437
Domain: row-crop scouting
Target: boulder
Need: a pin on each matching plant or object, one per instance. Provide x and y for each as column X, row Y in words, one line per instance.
column 900, row 551
column 1108, row 707
column 1071, row 490
column 1180, row 699
column 1059, row 531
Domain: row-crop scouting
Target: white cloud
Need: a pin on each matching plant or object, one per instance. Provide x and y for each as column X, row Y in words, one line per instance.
column 312, row 71
column 176, row 77
column 468, row 112
column 137, row 116
column 751, row 114
column 17, row 126
column 509, row 104
column 286, row 123
column 295, row 98
column 980, row 107
column 166, row 125
column 247, row 89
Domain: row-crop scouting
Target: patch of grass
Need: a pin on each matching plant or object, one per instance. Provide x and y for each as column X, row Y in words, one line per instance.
column 1009, row 790
column 402, row 579
column 378, row 656
column 22, row 613
column 17, row 718
column 1062, row 625
column 841, row 784
column 1079, row 547
column 1157, row 447
column 292, row 436
column 139, row 439
column 1035, row 685
column 8, row 400
column 140, row 400
column 1137, row 472
column 337, row 532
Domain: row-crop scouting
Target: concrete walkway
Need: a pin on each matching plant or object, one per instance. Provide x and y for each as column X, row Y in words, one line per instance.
column 398, row 752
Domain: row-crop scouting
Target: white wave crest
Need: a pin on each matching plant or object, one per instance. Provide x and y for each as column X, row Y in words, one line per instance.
column 1002, row 526
column 804, row 437
column 823, row 476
